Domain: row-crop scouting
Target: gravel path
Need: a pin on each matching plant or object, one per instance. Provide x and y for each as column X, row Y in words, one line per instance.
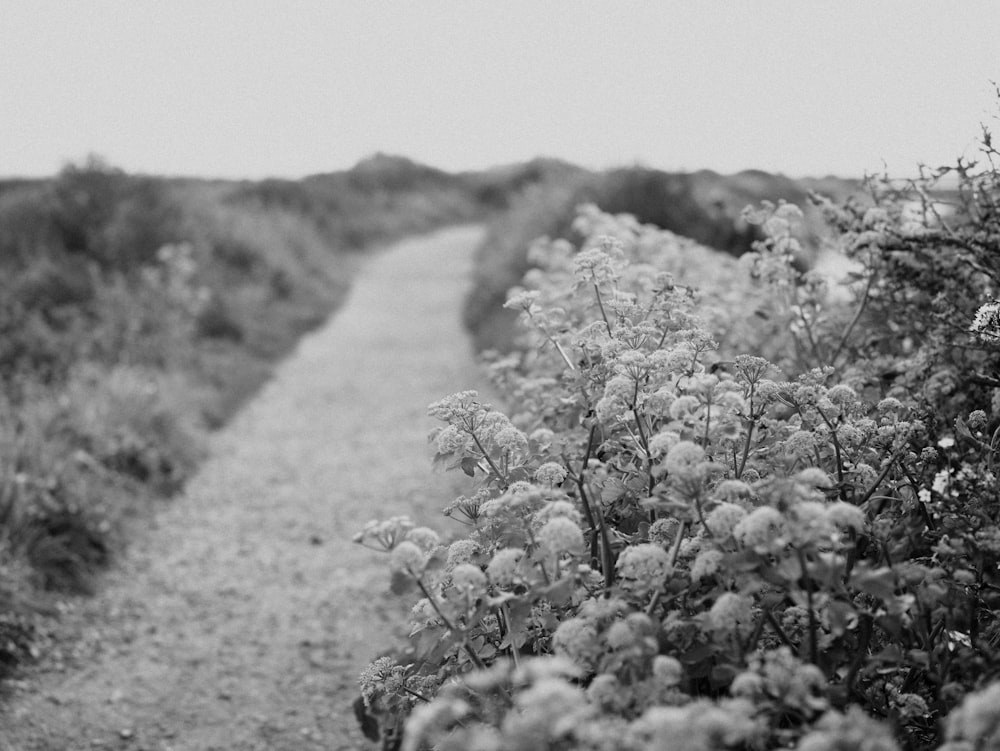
column 241, row 620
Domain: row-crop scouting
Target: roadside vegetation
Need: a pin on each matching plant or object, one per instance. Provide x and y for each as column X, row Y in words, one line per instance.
column 703, row 206
column 136, row 315
column 681, row 538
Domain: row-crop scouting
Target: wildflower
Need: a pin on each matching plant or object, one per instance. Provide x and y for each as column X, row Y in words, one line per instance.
column 640, row 623
column 844, row 515
column 785, row 677
column 683, row 406
column 889, row 404
column 556, row 508
column 560, row 535
column 545, row 712
column 760, row 529
column 977, row 419
column 469, row 578
column 813, row 477
column 941, row 481
column 541, row 668
column 748, row 685
column 408, row 558
column 619, row 635
column 606, row 692
column 386, row 534
column 987, row 321
column 425, row 719
column 511, row 439
column 663, row 531
column 678, row 359
column 375, row 676
column 521, row 298
column 750, row 368
column 723, row 519
column 470, row 508
column 644, row 567
column 977, row 719
column 461, row 551
column 910, row 705
column 451, row 439
column 699, row 726
column 603, row 608
column 424, row 537
column 542, row 436
column 801, row 443
column 767, row 390
column 849, row 435
column 502, row 568
column 576, row 638
column 550, row 473
column 667, row 670
column 455, row 406
column 660, row 443
column 684, row 457
column 854, row 730
column 732, row 491
column 842, row 395
column 706, row 564
column 864, row 474
column 594, row 264
column 731, row 614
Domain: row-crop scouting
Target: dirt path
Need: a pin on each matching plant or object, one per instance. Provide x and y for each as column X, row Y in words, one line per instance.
column 242, row 619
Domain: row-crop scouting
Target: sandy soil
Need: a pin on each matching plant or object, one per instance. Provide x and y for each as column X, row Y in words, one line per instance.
column 241, row 619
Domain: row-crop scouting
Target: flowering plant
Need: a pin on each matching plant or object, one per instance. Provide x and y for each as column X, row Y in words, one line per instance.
column 672, row 543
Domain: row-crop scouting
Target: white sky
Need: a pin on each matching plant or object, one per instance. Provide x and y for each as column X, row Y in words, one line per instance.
column 248, row 88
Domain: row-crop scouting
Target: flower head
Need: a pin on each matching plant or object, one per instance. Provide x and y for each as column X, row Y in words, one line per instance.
column 644, row 567
column 469, row 578
column 561, row 535
column 408, row 558
column 502, row 568
column 551, row 474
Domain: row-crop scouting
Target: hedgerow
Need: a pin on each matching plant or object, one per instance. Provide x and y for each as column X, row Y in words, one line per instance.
column 786, row 540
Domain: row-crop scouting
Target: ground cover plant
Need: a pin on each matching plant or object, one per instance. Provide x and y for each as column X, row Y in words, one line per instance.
column 786, row 539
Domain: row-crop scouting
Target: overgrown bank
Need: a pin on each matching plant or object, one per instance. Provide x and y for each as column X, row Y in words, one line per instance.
column 138, row 313
column 787, row 539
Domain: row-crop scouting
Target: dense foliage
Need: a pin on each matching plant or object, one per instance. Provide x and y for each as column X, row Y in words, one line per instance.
column 136, row 314
column 785, row 538
column 703, row 206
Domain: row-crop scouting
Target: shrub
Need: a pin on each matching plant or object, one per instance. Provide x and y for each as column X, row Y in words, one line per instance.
column 673, row 543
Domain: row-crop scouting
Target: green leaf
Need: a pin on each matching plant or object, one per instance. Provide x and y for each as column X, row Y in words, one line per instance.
column 400, row 583
column 469, row 465
column 842, row 616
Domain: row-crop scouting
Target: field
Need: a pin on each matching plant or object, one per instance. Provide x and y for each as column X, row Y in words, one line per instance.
column 736, row 487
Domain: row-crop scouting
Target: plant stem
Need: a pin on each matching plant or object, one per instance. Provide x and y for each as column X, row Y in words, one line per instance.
column 607, row 565
column 813, row 625
column 489, row 460
column 854, row 321
column 476, row 659
column 600, row 304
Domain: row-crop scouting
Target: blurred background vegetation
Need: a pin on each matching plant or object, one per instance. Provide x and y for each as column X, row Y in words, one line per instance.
column 138, row 313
